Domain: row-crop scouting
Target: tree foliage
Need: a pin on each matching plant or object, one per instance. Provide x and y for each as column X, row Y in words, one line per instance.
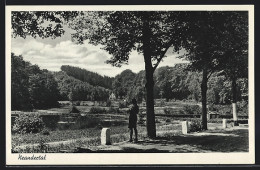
column 84, row 75
column 208, row 45
column 32, row 88
column 210, row 38
column 33, row 23
column 76, row 90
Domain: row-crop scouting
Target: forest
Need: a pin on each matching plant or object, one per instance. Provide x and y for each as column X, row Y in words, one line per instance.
column 33, row 88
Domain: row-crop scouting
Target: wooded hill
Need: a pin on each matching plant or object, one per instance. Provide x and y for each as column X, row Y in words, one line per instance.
column 36, row 88
column 84, row 75
column 178, row 83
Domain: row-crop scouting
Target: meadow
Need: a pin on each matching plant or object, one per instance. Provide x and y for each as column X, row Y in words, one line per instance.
column 73, row 130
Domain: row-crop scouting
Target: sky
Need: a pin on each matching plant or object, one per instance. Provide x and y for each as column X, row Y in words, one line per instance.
column 51, row 54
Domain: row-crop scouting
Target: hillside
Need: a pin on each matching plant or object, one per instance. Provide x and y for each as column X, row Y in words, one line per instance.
column 73, row 89
column 84, row 75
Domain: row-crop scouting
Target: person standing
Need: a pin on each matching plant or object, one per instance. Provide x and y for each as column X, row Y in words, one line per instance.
column 134, row 109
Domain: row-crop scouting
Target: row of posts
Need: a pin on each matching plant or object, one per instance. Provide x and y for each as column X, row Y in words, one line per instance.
column 105, row 133
column 186, row 126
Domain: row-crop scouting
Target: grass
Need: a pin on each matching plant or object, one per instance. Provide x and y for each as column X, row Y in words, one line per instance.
column 117, row 122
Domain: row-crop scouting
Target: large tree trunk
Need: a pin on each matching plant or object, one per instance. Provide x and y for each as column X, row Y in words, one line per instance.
column 204, row 88
column 234, row 101
column 150, row 117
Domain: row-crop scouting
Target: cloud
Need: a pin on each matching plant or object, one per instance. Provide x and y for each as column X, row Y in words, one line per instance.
column 65, row 52
column 52, row 56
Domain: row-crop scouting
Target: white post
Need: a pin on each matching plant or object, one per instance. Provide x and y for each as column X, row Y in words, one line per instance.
column 234, row 106
column 105, row 136
column 185, row 127
column 224, row 123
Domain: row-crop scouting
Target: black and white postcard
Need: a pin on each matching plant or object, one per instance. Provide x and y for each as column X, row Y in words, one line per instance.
column 130, row 85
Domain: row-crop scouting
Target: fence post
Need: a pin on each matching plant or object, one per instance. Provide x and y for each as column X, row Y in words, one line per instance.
column 185, row 127
column 105, row 136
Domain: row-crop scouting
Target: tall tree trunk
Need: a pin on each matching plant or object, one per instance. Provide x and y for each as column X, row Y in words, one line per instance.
column 204, row 89
column 150, row 117
column 234, row 101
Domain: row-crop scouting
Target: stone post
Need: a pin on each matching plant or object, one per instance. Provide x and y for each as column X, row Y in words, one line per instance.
column 234, row 106
column 224, row 123
column 105, row 136
column 185, row 127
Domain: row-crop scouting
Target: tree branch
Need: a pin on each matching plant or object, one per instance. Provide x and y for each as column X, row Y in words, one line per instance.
column 162, row 54
column 210, row 73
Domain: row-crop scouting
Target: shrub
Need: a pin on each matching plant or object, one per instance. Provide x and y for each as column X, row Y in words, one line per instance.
column 242, row 107
column 141, row 119
column 97, row 110
column 162, row 103
column 122, row 104
column 45, row 132
column 77, row 103
column 195, row 125
column 50, row 121
column 74, row 109
column 108, row 103
column 191, row 109
column 212, row 107
column 172, row 111
column 28, row 124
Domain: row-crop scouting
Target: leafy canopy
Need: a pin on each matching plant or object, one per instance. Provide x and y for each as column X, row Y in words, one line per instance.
column 120, row 32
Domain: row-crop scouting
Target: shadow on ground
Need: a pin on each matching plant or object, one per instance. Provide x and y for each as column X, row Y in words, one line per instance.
column 208, row 141
column 235, row 141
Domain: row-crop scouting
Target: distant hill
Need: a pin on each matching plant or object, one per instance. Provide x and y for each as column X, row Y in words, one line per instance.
column 74, row 89
column 87, row 76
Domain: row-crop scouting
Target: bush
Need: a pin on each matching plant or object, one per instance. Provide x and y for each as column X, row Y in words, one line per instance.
column 97, row 110
column 172, row 111
column 141, row 119
column 28, row 124
column 212, row 107
column 50, row 121
column 108, row 103
column 122, row 104
column 195, row 125
column 77, row 103
column 162, row 103
column 242, row 108
column 192, row 109
column 45, row 132
column 74, row 109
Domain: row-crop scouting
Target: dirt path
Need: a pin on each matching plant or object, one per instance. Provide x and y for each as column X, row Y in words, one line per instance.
column 229, row 140
column 216, row 139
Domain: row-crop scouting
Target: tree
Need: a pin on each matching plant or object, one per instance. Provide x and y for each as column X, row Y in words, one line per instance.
column 30, row 23
column 235, row 62
column 123, row 83
column 203, row 47
column 20, row 97
column 120, row 32
column 32, row 87
column 209, row 45
column 88, row 76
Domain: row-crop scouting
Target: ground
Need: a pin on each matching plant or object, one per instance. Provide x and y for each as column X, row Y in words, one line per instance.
column 234, row 139
column 169, row 135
